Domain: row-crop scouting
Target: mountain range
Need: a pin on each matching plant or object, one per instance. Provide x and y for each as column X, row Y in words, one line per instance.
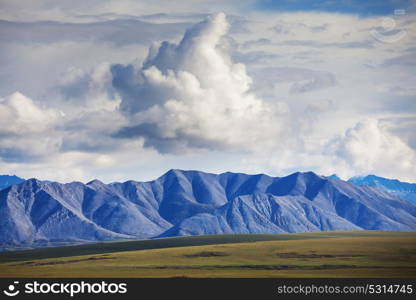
column 393, row 186
column 36, row 214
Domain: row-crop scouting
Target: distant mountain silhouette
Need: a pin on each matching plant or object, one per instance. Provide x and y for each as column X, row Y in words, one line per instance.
column 393, row 186
column 7, row 180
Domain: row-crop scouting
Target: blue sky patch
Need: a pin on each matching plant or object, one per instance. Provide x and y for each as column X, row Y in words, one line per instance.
column 358, row 7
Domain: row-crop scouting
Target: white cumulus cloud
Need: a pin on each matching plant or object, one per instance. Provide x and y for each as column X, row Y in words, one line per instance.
column 270, row 93
column 192, row 94
column 26, row 130
column 370, row 148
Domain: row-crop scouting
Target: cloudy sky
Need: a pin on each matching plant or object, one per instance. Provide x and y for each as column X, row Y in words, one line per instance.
column 123, row 89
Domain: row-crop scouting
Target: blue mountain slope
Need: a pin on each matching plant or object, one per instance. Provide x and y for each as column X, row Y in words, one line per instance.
column 34, row 214
column 7, row 180
column 393, row 186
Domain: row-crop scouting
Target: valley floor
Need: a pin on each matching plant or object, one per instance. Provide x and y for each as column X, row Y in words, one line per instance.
column 325, row 254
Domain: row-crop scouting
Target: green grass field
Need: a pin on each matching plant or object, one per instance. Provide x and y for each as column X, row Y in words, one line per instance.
column 323, row 254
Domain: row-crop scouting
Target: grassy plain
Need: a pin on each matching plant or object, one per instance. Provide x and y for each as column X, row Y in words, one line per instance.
column 323, row 254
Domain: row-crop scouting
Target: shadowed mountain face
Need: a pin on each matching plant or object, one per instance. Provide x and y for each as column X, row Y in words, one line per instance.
column 178, row 203
column 393, row 186
column 7, row 180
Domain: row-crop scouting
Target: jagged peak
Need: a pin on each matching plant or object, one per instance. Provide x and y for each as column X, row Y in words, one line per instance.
column 125, row 182
column 173, row 172
column 375, row 177
column 33, row 183
column 334, row 176
column 186, row 173
column 95, row 182
column 307, row 174
column 33, row 180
